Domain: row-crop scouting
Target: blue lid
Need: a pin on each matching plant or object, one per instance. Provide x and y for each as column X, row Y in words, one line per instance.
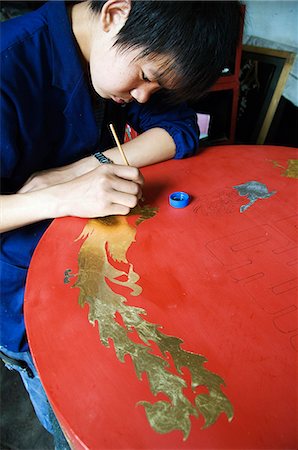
column 179, row 199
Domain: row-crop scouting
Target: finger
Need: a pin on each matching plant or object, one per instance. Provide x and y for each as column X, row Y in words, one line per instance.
column 127, row 173
column 128, row 187
column 26, row 188
column 115, row 209
column 122, row 198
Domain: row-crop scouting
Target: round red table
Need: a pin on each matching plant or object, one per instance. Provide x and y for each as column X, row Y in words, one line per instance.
column 176, row 328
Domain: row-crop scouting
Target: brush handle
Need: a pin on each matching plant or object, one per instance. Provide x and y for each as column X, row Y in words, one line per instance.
column 118, row 144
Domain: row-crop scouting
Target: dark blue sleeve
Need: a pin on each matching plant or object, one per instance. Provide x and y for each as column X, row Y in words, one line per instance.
column 179, row 121
column 9, row 155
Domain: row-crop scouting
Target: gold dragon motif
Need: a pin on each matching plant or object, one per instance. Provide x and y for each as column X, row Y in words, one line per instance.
column 105, row 241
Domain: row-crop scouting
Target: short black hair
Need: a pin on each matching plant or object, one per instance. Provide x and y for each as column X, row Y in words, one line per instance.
column 199, row 37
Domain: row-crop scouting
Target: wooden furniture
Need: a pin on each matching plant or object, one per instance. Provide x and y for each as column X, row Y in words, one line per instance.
column 222, row 102
column 176, row 328
column 271, row 68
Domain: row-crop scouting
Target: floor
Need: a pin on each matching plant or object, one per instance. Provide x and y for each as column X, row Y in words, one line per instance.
column 19, row 427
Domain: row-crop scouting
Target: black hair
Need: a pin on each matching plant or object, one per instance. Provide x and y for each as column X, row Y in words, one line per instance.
column 199, row 37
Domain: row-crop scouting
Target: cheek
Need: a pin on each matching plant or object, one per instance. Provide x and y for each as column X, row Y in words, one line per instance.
column 101, row 77
column 111, row 75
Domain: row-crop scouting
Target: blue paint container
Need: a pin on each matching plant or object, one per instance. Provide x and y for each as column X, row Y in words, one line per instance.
column 179, row 199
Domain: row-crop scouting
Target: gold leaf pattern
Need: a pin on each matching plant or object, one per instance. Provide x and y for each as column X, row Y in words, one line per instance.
column 291, row 171
column 109, row 239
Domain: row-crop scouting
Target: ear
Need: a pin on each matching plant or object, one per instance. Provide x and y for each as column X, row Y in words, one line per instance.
column 114, row 14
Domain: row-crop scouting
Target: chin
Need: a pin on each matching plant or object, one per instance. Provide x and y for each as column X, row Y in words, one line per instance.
column 101, row 93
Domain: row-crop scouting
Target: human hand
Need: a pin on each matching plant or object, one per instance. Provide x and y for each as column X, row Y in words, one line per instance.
column 107, row 190
column 51, row 177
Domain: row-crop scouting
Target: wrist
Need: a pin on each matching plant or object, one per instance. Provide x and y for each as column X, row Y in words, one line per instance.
column 86, row 165
column 102, row 159
column 59, row 199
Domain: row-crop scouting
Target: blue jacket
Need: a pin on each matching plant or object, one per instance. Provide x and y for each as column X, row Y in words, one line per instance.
column 47, row 121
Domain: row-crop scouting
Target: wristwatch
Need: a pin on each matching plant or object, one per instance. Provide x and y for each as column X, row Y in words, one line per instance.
column 102, row 158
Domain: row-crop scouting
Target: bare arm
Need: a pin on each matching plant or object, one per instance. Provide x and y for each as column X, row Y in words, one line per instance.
column 85, row 188
column 150, row 147
column 153, row 146
column 108, row 189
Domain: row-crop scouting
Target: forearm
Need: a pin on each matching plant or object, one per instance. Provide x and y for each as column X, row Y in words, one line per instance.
column 150, row 147
column 18, row 210
column 59, row 175
column 43, row 197
column 78, row 168
column 107, row 190
column 154, row 145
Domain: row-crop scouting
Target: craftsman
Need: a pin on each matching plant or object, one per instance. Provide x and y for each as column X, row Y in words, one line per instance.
column 67, row 71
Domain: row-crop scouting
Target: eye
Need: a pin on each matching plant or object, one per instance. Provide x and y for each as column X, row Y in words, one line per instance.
column 144, row 77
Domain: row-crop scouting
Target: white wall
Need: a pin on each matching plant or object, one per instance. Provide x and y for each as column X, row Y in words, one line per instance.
column 276, row 21
column 273, row 20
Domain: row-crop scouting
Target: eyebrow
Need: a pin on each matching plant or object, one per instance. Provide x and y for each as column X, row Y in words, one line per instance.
column 160, row 78
column 157, row 77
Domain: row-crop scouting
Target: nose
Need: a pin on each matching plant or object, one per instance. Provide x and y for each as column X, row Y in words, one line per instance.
column 143, row 92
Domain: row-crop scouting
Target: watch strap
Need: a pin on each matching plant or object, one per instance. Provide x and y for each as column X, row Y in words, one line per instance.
column 102, row 158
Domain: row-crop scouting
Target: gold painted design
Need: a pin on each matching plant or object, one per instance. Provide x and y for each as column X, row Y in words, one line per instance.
column 291, row 171
column 106, row 242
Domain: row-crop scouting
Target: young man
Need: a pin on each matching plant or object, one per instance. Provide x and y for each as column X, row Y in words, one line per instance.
column 69, row 69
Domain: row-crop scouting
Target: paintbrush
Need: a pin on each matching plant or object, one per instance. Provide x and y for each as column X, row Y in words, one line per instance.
column 118, row 144
column 120, row 147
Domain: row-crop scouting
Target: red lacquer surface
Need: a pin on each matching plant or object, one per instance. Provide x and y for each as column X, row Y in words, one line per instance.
column 224, row 282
